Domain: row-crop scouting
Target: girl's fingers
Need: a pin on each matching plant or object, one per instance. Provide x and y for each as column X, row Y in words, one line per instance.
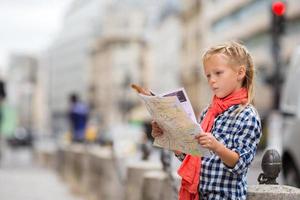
column 156, row 134
column 200, row 136
column 155, row 125
column 156, row 129
column 205, row 141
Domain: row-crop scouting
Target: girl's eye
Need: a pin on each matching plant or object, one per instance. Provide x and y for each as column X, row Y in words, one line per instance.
column 219, row 72
column 208, row 76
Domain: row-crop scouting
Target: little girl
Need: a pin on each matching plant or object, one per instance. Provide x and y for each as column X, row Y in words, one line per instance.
column 232, row 129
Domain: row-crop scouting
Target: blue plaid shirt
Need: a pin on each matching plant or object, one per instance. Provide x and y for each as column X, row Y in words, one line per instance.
column 240, row 132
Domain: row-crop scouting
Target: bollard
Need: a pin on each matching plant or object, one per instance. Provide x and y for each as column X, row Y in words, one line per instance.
column 171, row 187
column 68, row 165
column 60, row 161
column 77, row 155
column 104, row 180
column 153, row 183
column 269, row 188
column 157, row 185
column 45, row 157
column 271, row 166
column 86, row 172
column 135, row 174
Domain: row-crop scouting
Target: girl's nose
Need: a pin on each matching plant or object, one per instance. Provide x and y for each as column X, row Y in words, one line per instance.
column 212, row 80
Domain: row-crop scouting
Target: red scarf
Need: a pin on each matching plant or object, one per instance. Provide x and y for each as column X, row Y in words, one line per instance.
column 191, row 165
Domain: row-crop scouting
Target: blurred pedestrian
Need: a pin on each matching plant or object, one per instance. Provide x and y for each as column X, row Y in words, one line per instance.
column 2, row 97
column 231, row 129
column 78, row 117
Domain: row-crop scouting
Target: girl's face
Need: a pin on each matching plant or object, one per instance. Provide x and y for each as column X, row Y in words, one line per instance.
column 222, row 78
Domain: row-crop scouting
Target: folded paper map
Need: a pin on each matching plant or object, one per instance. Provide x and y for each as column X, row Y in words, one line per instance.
column 174, row 114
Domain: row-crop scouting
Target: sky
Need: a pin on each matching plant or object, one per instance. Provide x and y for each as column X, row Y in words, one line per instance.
column 29, row 26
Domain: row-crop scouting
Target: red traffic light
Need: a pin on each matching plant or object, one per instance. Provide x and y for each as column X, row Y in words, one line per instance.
column 278, row 8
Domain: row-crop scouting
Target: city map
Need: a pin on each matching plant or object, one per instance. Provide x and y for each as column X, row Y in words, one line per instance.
column 174, row 115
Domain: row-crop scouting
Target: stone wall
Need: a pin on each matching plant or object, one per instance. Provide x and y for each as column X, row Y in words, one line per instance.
column 91, row 171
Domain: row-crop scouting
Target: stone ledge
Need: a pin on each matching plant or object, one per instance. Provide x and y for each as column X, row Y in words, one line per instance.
column 274, row 192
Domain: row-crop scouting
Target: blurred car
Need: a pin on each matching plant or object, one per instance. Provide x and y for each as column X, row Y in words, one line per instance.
column 21, row 137
column 290, row 107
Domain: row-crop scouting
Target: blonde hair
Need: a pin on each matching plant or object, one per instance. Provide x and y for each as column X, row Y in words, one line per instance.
column 238, row 55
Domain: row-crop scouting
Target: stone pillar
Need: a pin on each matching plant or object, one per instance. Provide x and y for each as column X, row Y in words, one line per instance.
column 86, row 172
column 72, row 167
column 169, row 192
column 77, row 152
column 105, row 182
column 45, row 157
column 157, row 185
column 153, row 185
column 60, row 161
column 135, row 177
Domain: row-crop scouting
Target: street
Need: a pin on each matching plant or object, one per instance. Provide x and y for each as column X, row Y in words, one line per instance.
column 21, row 179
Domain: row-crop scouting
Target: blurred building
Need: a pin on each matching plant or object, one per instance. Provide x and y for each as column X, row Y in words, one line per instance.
column 249, row 21
column 66, row 62
column 192, row 42
column 206, row 23
column 164, row 41
column 41, row 113
column 21, row 81
column 117, row 61
column 161, row 54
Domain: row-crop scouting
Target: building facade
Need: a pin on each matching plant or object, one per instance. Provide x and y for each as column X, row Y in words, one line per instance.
column 21, row 83
column 117, row 61
column 192, row 41
column 249, row 21
column 246, row 21
column 164, row 43
column 66, row 61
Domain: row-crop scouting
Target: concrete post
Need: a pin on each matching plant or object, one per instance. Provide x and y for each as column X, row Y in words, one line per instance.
column 60, row 161
column 158, row 186
column 45, row 157
column 153, row 185
column 169, row 187
column 77, row 152
column 135, row 177
column 104, row 181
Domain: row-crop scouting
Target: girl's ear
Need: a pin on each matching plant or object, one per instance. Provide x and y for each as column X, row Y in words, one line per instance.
column 241, row 72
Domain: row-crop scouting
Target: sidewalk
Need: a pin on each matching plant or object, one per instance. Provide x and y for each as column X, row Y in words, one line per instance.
column 21, row 180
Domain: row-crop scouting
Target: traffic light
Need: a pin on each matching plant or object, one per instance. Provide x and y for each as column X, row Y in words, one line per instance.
column 278, row 17
column 278, row 9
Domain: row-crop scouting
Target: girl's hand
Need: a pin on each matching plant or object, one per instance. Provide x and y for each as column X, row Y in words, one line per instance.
column 208, row 141
column 156, row 130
